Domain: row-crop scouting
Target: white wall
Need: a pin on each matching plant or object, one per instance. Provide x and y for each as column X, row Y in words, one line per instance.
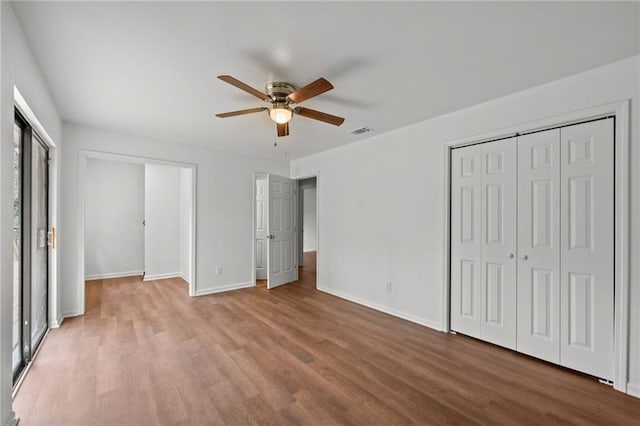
column 309, row 234
column 381, row 199
column 19, row 68
column 114, row 211
column 224, row 192
column 162, row 221
column 185, row 223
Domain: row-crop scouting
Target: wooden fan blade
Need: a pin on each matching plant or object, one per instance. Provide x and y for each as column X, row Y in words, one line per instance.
column 310, row 90
column 241, row 112
column 321, row 116
column 283, row 129
column 242, row 86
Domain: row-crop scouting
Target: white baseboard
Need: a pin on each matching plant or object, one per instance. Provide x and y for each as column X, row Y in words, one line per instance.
column 309, row 250
column 148, row 277
column 224, row 288
column 404, row 315
column 70, row 314
column 58, row 322
column 633, row 389
column 113, row 275
column 184, row 277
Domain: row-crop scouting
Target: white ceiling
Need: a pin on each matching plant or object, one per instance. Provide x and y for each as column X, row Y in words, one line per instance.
column 150, row 68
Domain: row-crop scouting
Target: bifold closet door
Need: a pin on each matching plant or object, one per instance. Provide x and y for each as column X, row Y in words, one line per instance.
column 539, row 245
column 498, row 289
column 587, row 247
column 466, row 244
column 483, row 241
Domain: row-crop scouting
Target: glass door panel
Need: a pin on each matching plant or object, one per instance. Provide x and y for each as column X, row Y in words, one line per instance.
column 39, row 247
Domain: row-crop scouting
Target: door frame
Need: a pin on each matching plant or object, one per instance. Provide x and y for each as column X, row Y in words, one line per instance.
column 619, row 110
column 100, row 155
column 315, row 174
column 54, row 314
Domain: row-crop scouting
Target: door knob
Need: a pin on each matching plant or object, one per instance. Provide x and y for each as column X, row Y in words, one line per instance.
column 271, row 237
column 510, row 256
column 524, row 257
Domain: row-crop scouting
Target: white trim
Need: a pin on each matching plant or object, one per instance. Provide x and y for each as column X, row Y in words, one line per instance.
column 71, row 314
column 58, row 322
column 113, row 275
column 82, row 171
column 224, row 288
column 619, row 109
column 393, row 312
column 633, row 389
column 315, row 174
column 164, row 276
column 184, row 277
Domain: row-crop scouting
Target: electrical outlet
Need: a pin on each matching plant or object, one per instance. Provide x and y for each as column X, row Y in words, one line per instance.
column 389, row 287
column 219, row 270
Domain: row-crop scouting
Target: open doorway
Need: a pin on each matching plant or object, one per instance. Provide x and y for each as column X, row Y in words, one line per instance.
column 308, row 230
column 284, row 234
column 139, row 225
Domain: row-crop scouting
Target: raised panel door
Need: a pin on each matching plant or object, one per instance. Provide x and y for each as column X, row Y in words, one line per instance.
column 466, row 245
column 587, row 248
column 539, row 245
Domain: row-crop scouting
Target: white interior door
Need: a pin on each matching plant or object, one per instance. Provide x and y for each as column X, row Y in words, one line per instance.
column 281, row 231
column 539, row 245
column 261, row 229
column 466, row 245
column 498, row 272
column 587, row 253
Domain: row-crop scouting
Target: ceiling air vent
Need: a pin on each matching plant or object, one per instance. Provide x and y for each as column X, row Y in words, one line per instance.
column 361, row 130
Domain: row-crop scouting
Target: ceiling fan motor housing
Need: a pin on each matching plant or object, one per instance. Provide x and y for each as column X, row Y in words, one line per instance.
column 279, row 90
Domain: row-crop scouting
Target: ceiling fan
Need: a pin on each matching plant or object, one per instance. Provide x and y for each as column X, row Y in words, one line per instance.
column 281, row 96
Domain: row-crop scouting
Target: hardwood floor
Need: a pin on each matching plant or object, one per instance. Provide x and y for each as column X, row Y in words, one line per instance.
column 146, row 353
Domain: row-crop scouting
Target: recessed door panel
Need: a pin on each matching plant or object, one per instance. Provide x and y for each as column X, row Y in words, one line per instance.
column 494, row 213
column 541, row 302
column 498, row 286
column 468, row 285
column 581, row 310
column 466, row 240
column 494, row 294
column 468, row 214
column 539, row 245
column 587, row 279
column 580, row 215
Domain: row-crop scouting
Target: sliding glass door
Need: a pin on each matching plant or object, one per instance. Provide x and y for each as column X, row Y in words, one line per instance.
column 30, row 243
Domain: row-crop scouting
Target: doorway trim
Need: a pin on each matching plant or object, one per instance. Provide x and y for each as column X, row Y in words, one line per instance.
column 100, row 155
column 619, row 110
column 315, row 174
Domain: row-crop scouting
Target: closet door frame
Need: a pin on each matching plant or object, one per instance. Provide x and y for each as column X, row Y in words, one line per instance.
column 619, row 111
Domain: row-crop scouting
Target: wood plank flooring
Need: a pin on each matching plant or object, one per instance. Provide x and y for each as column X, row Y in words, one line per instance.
column 146, row 353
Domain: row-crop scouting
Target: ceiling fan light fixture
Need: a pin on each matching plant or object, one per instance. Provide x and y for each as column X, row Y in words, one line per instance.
column 280, row 113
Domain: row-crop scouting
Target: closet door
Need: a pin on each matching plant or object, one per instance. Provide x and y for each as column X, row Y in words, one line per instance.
column 498, row 271
column 539, row 245
column 466, row 246
column 587, row 251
